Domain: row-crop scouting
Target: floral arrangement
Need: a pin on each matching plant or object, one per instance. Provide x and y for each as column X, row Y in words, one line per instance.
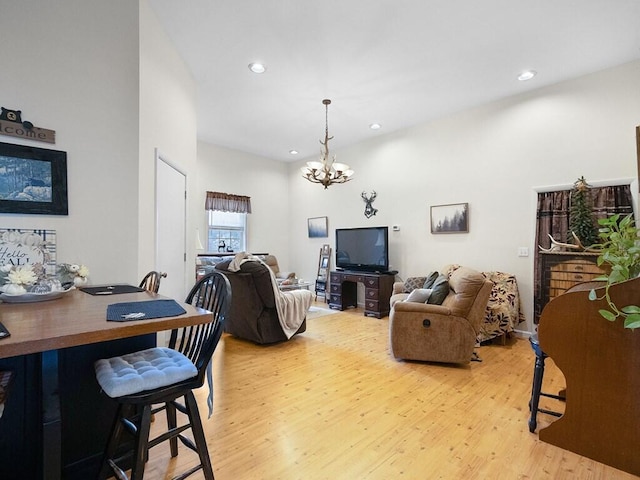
column 21, row 279
column 72, row 273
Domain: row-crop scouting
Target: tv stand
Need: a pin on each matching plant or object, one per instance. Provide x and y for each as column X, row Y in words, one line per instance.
column 377, row 291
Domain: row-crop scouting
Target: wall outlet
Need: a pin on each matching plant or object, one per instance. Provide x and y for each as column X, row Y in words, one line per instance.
column 395, row 228
column 523, row 251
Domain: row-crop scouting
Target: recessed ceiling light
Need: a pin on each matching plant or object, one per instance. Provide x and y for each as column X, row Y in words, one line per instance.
column 257, row 67
column 293, row 152
column 527, row 75
column 375, row 126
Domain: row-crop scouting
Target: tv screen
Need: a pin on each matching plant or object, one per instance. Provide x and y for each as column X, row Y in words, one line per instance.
column 362, row 249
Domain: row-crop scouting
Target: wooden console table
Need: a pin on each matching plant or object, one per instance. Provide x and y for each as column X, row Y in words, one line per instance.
column 377, row 291
column 563, row 270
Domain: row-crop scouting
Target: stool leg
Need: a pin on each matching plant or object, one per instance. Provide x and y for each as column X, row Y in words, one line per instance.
column 198, row 435
column 141, row 444
column 112, row 444
column 171, row 425
column 538, row 373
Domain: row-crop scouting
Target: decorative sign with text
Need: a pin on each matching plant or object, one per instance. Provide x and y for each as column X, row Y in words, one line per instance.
column 11, row 124
column 28, row 247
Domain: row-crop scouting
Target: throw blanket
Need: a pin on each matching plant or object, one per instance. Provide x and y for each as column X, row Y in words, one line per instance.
column 292, row 306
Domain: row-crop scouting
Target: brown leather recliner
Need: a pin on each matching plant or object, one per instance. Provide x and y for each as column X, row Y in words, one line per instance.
column 253, row 314
column 441, row 333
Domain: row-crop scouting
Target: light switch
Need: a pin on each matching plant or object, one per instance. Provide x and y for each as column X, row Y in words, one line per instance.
column 523, row 251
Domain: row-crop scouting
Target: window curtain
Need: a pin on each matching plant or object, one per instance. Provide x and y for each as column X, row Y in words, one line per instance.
column 225, row 202
column 552, row 218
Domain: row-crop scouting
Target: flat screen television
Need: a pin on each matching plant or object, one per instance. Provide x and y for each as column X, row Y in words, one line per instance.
column 364, row 249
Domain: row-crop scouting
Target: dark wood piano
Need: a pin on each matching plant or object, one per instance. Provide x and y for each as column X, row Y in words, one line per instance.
column 601, row 364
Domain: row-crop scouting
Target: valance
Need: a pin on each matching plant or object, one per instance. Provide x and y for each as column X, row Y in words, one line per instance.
column 225, row 202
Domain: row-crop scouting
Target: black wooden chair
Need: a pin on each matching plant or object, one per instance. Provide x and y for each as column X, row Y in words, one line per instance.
column 536, row 388
column 151, row 281
column 190, row 349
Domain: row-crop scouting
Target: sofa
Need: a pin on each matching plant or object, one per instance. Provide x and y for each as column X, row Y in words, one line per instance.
column 504, row 309
column 253, row 314
column 442, row 329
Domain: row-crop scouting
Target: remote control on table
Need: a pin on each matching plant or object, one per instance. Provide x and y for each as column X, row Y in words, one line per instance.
column 4, row 333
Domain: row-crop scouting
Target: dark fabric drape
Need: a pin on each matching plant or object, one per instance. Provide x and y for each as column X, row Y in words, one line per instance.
column 552, row 218
column 225, row 202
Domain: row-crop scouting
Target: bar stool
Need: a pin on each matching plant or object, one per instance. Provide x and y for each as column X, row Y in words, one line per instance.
column 538, row 373
column 161, row 375
column 151, row 281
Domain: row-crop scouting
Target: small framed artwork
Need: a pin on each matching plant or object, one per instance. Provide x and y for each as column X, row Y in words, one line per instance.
column 326, row 249
column 33, row 180
column 452, row 218
column 318, row 227
column 324, row 262
column 28, row 246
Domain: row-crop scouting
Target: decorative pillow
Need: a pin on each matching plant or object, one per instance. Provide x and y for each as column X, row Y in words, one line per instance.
column 411, row 283
column 440, row 290
column 431, row 279
column 419, row 295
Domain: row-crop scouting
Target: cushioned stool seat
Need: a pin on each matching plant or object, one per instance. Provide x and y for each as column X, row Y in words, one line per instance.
column 144, row 370
column 163, row 379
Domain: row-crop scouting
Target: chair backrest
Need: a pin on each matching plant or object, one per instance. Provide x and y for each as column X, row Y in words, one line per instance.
column 151, row 281
column 198, row 342
column 469, row 294
column 272, row 262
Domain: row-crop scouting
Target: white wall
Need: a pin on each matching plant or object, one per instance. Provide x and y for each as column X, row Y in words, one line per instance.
column 168, row 123
column 265, row 181
column 72, row 66
column 492, row 157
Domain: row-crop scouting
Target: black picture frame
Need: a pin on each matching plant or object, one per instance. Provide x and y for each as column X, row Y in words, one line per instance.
column 49, row 179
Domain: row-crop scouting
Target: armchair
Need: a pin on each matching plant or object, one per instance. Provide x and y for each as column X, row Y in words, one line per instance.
column 253, row 314
column 440, row 333
column 272, row 262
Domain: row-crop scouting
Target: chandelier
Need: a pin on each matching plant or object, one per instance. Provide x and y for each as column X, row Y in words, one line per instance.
column 326, row 171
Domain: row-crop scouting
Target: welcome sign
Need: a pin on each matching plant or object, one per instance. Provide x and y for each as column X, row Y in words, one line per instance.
column 20, row 247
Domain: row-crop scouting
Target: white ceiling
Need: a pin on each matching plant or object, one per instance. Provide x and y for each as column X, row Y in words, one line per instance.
column 395, row 62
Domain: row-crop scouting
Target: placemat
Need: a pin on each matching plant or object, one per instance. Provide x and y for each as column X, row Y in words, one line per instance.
column 111, row 289
column 128, row 311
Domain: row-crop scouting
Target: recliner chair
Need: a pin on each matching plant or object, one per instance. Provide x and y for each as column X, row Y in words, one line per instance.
column 441, row 333
column 253, row 314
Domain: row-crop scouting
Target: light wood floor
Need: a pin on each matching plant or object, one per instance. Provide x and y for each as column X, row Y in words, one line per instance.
column 333, row 404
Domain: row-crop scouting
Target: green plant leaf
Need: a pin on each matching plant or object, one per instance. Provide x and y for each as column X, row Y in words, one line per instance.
column 607, row 315
column 631, row 309
column 632, row 321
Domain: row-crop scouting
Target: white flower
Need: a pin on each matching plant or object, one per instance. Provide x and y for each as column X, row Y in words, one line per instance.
column 83, row 271
column 22, row 276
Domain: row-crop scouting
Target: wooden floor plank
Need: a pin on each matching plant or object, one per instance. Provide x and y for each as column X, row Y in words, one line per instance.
column 333, row 404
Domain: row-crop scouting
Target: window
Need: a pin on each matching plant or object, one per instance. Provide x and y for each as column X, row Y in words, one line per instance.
column 227, row 231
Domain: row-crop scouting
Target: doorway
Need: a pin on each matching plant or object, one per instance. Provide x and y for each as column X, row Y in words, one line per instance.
column 171, row 209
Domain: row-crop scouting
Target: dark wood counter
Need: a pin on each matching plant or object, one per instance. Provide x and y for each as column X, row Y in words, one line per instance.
column 56, row 420
column 79, row 319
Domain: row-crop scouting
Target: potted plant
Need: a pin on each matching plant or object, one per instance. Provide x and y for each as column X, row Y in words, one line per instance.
column 620, row 250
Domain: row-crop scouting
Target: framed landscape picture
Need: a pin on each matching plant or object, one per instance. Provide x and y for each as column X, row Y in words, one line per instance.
column 33, row 180
column 452, row 218
column 318, row 227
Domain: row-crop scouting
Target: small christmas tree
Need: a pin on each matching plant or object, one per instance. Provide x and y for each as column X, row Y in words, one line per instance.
column 581, row 214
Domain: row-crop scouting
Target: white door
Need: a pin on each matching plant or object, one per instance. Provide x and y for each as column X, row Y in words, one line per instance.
column 171, row 203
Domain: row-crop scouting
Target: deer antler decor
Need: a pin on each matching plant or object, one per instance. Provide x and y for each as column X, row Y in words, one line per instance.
column 369, row 211
column 327, row 171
